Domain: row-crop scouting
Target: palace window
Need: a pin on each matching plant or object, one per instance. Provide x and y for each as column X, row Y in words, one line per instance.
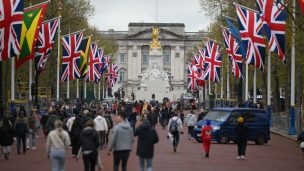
column 122, row 57
column 167, row 55
column 122, row 76
column 145, row 54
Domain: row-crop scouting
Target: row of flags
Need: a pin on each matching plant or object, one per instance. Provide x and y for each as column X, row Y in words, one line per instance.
column 24, row 35
column 244, row 43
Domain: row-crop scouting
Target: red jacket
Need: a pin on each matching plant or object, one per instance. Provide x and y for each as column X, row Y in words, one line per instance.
column 206, row 132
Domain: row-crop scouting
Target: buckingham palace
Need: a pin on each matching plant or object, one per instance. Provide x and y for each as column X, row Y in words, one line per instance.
column 162, row 73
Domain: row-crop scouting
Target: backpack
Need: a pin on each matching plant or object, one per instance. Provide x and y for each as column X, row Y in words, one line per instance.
column 173, row 127
column 109, row 123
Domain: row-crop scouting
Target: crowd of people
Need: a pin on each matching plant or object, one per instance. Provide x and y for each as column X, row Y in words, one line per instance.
column 88, row 129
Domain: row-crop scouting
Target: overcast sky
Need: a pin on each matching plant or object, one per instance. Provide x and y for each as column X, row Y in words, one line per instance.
column 117, row 14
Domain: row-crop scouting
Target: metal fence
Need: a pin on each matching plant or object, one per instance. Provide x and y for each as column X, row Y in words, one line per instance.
column 281, row 121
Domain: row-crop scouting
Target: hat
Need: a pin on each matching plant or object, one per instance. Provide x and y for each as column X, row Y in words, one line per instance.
column 240, row 120
column 208, row 122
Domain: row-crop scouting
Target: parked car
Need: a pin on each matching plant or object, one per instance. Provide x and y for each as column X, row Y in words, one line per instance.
column 224, row 120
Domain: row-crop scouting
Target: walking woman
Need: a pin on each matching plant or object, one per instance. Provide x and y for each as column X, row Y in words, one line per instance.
column 57, row 140
column 6, row 136
column 21, row 129
column 89, row 143
column 207, row 137
column 241, row 131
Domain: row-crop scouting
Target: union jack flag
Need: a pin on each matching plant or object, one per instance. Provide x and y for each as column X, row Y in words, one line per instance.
column 275, row 17
column 251, row 27
column 192, row 77
column 93, row 74
column 105, row 62
column 213, row 62
column 100, row 56
column 112, row 75
column 71, row 56
column 234, row 52
column 45, row 43
column 11, row 17
column 199, row 63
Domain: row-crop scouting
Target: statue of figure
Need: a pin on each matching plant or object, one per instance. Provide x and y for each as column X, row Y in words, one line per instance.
column 155, row 44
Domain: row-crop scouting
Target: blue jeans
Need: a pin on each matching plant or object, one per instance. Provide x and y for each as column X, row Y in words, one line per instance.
column 57, row 159
column 32, row 138
column 148, row 163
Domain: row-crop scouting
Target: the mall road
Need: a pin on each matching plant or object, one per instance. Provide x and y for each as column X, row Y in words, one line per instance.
column 280, row 154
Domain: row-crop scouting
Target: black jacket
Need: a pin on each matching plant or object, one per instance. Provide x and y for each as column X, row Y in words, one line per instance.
column 241, row 131
column 6, row 133
column 89, row 139
column 147, row 137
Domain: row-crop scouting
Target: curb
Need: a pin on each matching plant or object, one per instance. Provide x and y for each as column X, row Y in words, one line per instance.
column 291, row 137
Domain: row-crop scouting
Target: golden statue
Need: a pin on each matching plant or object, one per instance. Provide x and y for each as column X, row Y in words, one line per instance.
column 155, row 44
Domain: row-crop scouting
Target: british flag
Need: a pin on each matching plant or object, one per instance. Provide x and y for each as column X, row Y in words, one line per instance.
column 100, row 57
column 213, row 62
column 275, row 17
column 251, row 27
column 192, row 77
column 234, row 52
column 45, row 43
column 11, row 17
column 71, row 56
column 199, row 63
column 105, row 62
column 93, row 74
column 112, row 74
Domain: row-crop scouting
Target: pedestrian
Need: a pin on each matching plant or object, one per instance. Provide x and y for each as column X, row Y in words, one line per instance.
column 101, row 127
column 31, row 132
column 147, row 137
column 121, row 142
column 301, row 141
column 43, row 122
column 6, row 136
column 21, row 129
column 207, row 137
column 190, row 123
column 175, row 128
column 109, row 120
column 153, row 117
column 57, row 140
column 76, row 129
column 89, row 143
column 133, row 118
column 181, row 115
column 241, row 131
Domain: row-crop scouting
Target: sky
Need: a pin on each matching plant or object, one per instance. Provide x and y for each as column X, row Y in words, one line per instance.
column 117, row 14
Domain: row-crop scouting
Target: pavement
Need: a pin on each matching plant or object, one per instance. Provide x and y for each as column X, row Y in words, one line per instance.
column 280, row 154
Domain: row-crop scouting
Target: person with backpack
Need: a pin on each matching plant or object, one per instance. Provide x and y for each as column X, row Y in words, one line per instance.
column 175, row 127
column 101, row 127
column 6, row 136
column 190, row 122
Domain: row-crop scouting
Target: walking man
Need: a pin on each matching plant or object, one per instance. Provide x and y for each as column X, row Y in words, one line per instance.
column 241, row 131
column 121, row 142
column 175, row 128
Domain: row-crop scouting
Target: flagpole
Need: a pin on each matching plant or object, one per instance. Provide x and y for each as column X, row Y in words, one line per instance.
column 77, row 88
column 85, row 90
column 99, row 90
column 94, row 90
column 228, row 81
column 58, row 55
column 222, row 87
column 209, row 85
column 292, row 129
column 68, row 89
column 246, row 84
column 269, row 89
column 13, row 79
column 103, row 88
column 254, row 87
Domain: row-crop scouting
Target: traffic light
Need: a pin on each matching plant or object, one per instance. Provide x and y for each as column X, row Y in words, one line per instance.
column 33, row 89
